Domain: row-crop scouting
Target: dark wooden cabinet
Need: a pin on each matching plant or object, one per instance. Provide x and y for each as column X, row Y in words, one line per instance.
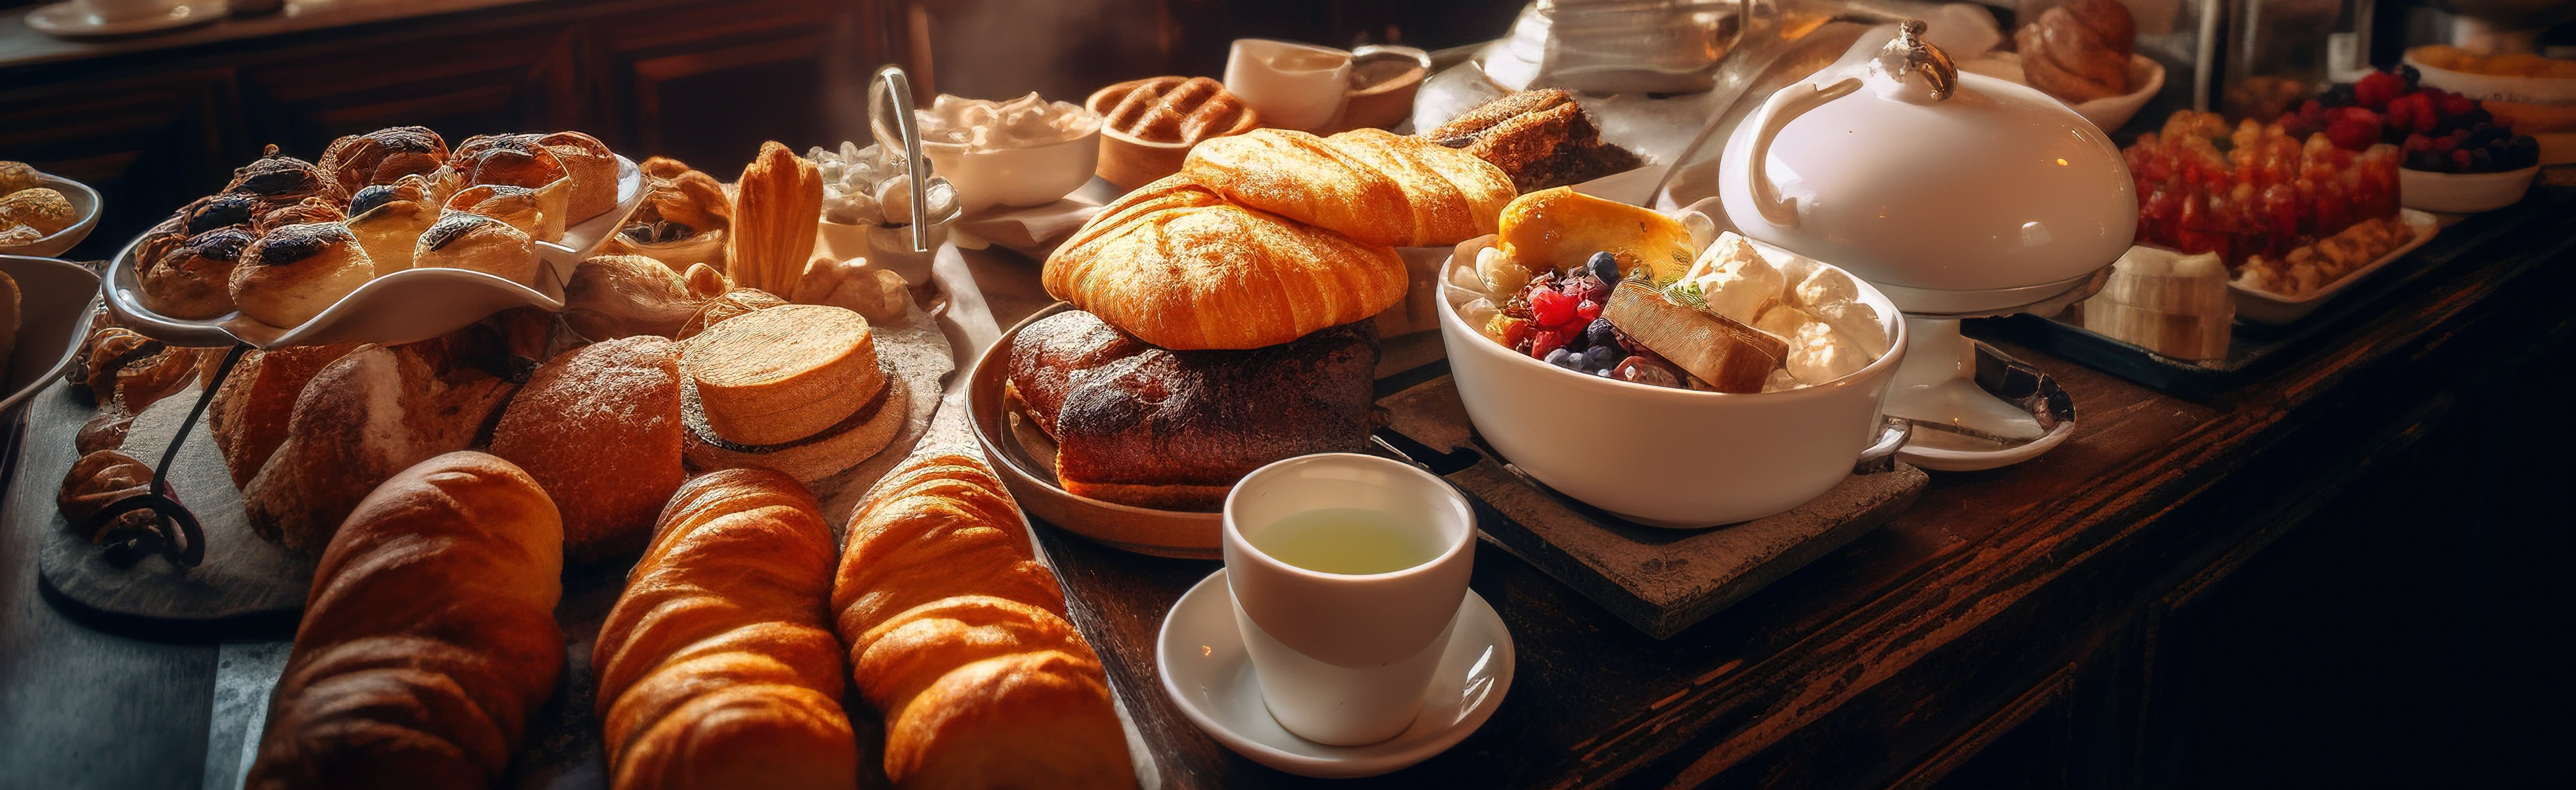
column 705, row 81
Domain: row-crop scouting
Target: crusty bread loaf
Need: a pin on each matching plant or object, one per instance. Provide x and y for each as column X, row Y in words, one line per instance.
column 429, row 639
column 1176, row 264
column 599, row 427
column 718, row 667
column 957, row 637
column 294, row 273
column 363, row 418
column 783, row 374
column 252, row 408
column 1374, row 186
column 1174, row 430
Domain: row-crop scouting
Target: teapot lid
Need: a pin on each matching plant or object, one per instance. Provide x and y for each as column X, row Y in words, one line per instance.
column 1895, row 166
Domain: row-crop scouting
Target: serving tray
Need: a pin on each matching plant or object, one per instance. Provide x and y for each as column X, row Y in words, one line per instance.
column 2257, row 349
column 248, row 586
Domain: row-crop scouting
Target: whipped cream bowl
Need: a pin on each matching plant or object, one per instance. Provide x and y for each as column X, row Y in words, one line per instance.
column 1018, row 153
column 1663, row 455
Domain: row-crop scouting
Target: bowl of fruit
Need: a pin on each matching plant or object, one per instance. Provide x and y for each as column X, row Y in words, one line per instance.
column 1670, row 376
column 2458, row 156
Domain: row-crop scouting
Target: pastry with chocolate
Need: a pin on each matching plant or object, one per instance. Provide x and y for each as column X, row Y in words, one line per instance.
column 1541, row 137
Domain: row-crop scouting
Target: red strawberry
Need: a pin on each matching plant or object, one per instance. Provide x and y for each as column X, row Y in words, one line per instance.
column 2455, row 104
column 2460, row 160
column 2352, row 135
column 2419, row 114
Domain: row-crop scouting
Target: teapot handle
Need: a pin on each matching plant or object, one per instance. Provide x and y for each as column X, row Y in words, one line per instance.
column 1776, row 113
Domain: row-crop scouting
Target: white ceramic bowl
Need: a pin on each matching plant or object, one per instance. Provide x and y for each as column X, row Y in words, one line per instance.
column 84, row 205
column 2463, row 193
column 1016, row 176
column 2537, row 90
column 1663, row 456
column 54, row 300
column 2108, row 113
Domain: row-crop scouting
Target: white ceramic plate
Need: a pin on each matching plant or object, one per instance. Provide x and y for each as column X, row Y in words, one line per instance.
column 1921, row 451
column 54, row 301
column 67, row 19
column 2265, row 307
column 402, row 307
column 84, row 201
column 2108, row 113
column 1209, row 676
column 2463, row 193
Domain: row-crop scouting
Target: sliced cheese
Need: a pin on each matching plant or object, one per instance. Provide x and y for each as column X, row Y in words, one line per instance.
column 785, row 373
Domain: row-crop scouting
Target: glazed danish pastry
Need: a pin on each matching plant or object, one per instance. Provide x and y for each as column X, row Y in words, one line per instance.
column 292, row 274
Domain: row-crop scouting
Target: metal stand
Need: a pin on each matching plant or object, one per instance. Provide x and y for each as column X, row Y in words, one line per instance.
column 184, row 544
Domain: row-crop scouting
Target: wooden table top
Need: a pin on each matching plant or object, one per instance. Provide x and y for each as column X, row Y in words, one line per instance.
column 1861, row 666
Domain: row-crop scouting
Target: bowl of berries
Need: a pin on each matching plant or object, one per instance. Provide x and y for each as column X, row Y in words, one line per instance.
column 1660, row 371
column 2458, row 157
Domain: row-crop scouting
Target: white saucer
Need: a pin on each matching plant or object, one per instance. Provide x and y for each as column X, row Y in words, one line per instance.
column 1209, row 676
column 67, row 19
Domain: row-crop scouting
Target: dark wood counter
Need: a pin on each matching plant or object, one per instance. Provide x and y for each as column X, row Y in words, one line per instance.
column 2076, row 620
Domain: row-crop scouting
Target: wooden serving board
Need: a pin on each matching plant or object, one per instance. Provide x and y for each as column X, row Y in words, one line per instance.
column 1659, row 580
column 250, row 587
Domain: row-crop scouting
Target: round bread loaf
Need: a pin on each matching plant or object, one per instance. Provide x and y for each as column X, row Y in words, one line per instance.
column 858, row 438
column 1175, row 264
column 194, row 281
column 475, row 242
column 599, row 428
column 292, row 274
column 785, row 373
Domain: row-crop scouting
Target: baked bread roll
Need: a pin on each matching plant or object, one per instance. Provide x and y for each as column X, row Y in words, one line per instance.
column 718, row 668
column 1377, row 187
column 46, row 210
column 302, row 212
column 614, row 296
column 1176, row 264
column 461, row 240
column 382, row 156
column 2079, row 52
column 15, row 176
column 593, row 170
column 388, row 220
column 1174, row 430
column 294, row 273
column 1173, row 110
column 599, row 428
column 429, row 638
column 194, row 280
column 363, row 418
column 957, row 636
column 1540, row 137
column 510, row 159
column 252, row 408
column 522, row 207
column 278, row 180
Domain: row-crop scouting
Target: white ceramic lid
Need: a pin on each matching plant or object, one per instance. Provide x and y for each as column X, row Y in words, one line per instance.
column 1997, row 186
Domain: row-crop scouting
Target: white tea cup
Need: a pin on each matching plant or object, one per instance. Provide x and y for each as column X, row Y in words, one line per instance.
column 1346, row 659
column 1292, row 85
column 105, row 11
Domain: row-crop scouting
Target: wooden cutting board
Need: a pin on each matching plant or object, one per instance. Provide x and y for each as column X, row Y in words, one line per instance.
column 1659, row 580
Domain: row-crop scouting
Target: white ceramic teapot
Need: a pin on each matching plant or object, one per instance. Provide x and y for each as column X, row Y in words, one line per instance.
column 1955, row 193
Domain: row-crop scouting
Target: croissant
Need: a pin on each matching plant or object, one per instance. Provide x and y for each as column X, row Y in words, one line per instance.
column 1177, row 265
column 958, row 636
column 1375, row 186
column 717, row 667
column 428, row 639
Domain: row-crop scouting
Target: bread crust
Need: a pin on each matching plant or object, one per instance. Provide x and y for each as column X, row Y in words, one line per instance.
column 1377, row 187
column 599, row 428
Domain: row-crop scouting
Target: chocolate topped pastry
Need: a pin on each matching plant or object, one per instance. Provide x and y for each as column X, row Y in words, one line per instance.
column 303, row 212
column 381, row 156
column 1541, row 137
column 518, row 160
column 372, row 197
column 472, row 241
column 216, row 211
column 389, row 218
column 279, row 180
column 294, row 272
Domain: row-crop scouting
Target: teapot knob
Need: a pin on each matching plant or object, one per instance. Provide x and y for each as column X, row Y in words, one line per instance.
column 1908, row 54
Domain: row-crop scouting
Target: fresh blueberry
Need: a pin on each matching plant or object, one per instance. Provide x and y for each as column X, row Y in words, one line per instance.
column 1601, row 358
column 1601, row 333
column 1605, row 266
column 1561, row 358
